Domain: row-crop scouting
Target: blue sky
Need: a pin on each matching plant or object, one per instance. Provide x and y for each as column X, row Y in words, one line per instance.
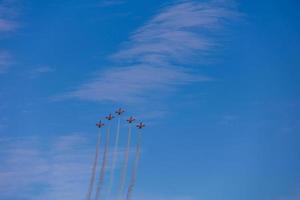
column 216, row 82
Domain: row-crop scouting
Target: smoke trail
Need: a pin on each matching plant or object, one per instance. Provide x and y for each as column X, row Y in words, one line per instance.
column 92, row 180
column 135, row 167
column 115, row 155
column 103, row 167
column 124, row 167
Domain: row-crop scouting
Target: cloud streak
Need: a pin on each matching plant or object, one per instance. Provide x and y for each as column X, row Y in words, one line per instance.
column 294, row 196
column 8, row 16
column 39, row 71
column 34, row 168
column 8, row 23
column 155, row 58
column 54, row 170
column 109, row 3
column 5, row 61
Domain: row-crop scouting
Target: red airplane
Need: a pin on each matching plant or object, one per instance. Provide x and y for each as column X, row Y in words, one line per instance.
column 140, row 125
column 99, row 124
column 109, row 117
column 119, row 111
column 130, row 120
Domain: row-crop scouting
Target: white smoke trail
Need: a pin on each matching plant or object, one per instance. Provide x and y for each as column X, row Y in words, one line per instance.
column 135, row 167
column 94, row 168
column 115, row 155
column 124, row 167
column 103, row 167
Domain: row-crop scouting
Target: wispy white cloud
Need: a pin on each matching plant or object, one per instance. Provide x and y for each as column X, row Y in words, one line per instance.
column 40, row 71
column 8, row 16
column 294, row 196
column 155, row 59
column 61, row 168
column 34, row 168
column 8, row 23
column 108, row 3
column 229, row 119
column 132, row 83
column 164, row 197
column 5, row 61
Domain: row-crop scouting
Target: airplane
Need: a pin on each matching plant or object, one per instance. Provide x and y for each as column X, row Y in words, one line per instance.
column 119, row 111
column 130, row 120
column 140, row 125
column 109, row 117
column 99, row 124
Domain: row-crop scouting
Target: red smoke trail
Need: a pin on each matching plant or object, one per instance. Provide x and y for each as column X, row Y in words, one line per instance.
column 103, row 167
column 135, row 167
column 125, row 166
column 92, row 180
column 115, row 155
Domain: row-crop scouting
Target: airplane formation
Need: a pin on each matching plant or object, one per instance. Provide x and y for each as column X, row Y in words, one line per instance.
column 120, row 188
column 130, row 120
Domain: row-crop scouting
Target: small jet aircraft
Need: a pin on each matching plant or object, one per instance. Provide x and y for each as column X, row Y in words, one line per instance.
column 109, row 117
column 119, row 111
column 130, row 120
column 99, row 124
column 140, row 125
